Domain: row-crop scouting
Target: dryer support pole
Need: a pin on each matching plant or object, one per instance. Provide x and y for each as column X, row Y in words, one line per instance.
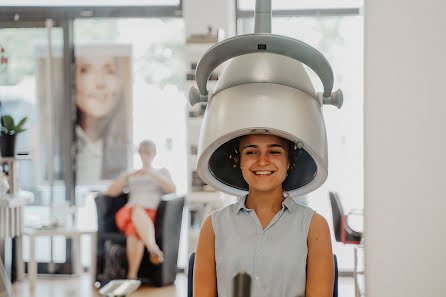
column 263, row 15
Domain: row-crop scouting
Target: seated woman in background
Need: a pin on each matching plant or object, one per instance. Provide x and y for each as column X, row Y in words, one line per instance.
column 136, row 219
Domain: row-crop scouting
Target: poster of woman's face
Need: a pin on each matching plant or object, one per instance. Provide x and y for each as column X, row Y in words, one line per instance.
column 103, row 103
column 97, row 85
column 103, row 121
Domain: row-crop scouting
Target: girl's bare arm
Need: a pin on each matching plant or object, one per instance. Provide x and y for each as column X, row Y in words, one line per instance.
column 205, row 277
column 320, row 265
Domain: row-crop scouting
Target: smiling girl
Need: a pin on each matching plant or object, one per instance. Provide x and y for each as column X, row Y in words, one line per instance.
column 283, row 245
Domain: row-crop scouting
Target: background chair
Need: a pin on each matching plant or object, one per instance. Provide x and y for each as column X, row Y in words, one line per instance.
column 345, row 234
column 167, row 233
column 190, row 276
column 342, row 231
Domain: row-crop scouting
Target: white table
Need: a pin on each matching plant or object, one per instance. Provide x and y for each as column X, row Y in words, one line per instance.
column 11, row 221
column 11, row 213
column 73, row 233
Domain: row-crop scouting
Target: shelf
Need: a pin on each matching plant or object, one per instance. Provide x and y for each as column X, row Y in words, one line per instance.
column 18, row 200
column 195, row 121
column 208, row 200
column 193, row 159
column 210, row 85
column 203, row 196
column 17, row 157
column 197, row 118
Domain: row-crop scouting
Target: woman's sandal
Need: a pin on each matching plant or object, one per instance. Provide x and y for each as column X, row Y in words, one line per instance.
column 156, row 256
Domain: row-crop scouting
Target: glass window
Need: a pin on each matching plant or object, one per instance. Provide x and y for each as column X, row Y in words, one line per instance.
column 89, row 2
column 152, row 87
column 22, row 93
column 302, row 4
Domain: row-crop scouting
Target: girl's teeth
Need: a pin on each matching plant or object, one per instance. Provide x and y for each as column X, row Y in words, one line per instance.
column 263, row 172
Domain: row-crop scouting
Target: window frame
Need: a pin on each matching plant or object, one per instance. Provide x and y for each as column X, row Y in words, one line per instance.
column 35, row 16
column 316, row 12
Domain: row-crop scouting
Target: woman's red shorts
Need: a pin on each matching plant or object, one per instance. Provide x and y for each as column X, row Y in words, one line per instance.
column 124, row 220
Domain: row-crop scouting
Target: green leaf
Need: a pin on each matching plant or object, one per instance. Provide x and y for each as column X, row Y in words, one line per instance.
column 20, row 130
column 21, row 123
column 8, row 122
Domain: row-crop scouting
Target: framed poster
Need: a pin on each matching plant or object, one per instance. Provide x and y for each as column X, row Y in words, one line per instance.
column 104, row 112
column 103, row 122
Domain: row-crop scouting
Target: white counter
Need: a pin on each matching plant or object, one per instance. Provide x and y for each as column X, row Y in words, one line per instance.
column 18, row 200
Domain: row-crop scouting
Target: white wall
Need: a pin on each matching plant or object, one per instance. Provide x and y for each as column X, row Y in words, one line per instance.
column 199, row 14
column 405, row 148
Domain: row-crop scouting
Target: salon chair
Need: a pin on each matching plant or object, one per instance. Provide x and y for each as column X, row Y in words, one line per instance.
column 345, row 234
column 167, row 233
column 342, row 231
column 190, row 276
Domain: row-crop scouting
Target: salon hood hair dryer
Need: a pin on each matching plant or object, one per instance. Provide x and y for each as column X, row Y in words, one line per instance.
column 263, row 90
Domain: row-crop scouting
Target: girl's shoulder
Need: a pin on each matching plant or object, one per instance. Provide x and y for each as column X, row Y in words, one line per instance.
column 304, row 208
column 225, row 213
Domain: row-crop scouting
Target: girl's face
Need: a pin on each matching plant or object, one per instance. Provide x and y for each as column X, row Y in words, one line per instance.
column 97, row 85
column 264, row 161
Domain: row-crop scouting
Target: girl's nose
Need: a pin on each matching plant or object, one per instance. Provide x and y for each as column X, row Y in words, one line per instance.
column 263, row 159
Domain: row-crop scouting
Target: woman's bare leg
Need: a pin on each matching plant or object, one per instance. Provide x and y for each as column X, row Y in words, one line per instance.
column 135, row 252
column 146, row 230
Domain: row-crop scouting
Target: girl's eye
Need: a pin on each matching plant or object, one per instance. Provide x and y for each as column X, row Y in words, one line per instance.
column 275, row 152
column 250, row 152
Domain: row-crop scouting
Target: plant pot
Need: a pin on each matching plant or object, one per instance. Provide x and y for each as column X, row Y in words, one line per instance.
column 7, row 145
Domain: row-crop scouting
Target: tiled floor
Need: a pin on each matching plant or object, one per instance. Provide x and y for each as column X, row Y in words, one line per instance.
column 80, row 287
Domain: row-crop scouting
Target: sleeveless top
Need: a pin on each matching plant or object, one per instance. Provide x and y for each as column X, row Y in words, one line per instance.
column 275, row 258
column 145, row 191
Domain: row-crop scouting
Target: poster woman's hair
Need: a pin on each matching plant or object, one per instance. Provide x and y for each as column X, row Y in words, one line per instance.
column 116, row 133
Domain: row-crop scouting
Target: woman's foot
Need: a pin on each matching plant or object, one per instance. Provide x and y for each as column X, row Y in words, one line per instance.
column 156, row 256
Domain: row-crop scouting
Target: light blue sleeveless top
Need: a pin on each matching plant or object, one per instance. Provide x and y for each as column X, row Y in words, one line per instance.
column 275, row 258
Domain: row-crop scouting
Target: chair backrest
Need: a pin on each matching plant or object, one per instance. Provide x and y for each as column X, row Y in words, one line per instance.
column 335, row 286
column 337, row 214
column 106, row 208
column 167, row 233
column 190, row 276
column 170, row 210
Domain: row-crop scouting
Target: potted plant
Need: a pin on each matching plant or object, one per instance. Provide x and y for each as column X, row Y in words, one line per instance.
column 8, row 134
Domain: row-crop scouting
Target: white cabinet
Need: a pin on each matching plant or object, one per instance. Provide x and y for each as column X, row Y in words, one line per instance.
column 201, row 199
column 196, row 47
column 11, row 223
